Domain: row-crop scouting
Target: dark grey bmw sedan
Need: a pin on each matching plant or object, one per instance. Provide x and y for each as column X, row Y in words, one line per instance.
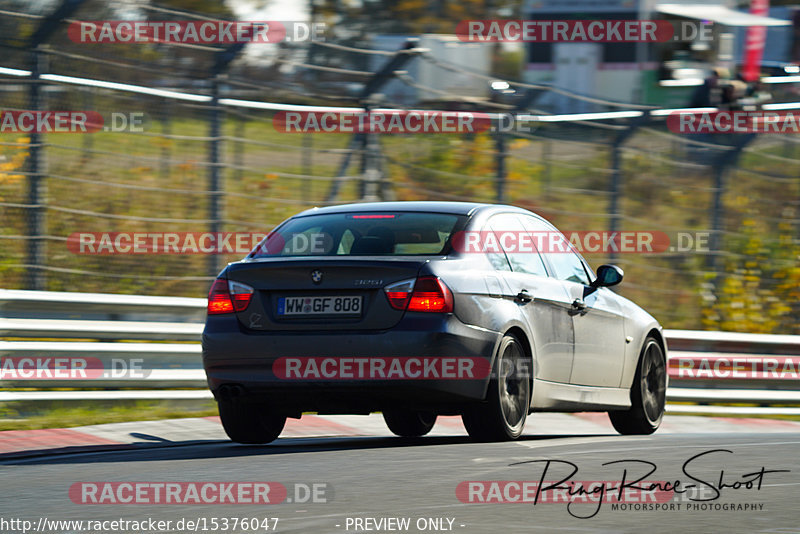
column 417, row 309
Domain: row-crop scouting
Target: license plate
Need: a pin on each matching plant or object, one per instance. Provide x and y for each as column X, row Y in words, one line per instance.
column 308, row 306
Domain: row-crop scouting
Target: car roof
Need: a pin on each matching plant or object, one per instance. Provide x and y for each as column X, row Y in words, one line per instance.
column 456, row 208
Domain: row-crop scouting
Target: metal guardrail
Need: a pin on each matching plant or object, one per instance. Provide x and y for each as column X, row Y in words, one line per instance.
column 159, row 335
column 734, row 368
column 70, row 328
column 710, row 372
column 99, row 306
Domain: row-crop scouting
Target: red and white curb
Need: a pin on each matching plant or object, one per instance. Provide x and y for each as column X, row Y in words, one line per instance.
column 135, row 434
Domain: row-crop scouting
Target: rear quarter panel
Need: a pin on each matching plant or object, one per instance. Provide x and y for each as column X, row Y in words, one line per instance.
column 638, row 324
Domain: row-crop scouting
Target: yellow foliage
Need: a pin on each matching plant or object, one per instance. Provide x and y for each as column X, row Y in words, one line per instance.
column 759, row 292
column 12, row 158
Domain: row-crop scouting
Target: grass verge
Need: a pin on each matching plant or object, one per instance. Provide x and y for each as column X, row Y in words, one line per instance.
column 36, row 415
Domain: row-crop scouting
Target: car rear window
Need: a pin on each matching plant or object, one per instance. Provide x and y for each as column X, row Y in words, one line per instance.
column 362, row 234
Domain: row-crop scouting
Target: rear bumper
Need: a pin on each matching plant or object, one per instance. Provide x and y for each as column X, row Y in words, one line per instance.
column 242, row 362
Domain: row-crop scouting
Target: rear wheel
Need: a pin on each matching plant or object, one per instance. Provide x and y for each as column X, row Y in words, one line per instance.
column 249, row 423
column 409, row 424
column 502, row 416
column 648, row 393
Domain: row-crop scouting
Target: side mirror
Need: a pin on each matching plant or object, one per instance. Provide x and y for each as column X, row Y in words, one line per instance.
column 608, row 275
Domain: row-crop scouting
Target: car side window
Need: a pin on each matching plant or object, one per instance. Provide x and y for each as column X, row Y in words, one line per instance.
column 558, row 251
column 496, row 257
column 516, row 242
column 567, row 266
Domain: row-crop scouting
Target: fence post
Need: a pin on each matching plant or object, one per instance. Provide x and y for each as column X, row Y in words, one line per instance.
column 308, row 165
column 214, row 204
column 36, row 163
column 166, row 146
column 354, row 145
column 238, row 147
column 723, row 161
column 370, row 188
column 386, row 191
column 546, row 173
column 222, row 60
column 614, row 194
column 36, row 183
column 716, row 218
column 87, row 98
column 500, row 166
column 615, row 189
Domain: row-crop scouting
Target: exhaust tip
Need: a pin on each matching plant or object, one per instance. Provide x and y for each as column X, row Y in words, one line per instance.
column 228, row 392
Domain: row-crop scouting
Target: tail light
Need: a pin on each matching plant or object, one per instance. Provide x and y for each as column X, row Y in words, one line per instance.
column 425, row 294
column 399, row 293
column 431, row 295
column 227, row 296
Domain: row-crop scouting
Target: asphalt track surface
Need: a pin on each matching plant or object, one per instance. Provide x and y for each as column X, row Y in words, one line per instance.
column 382, row 477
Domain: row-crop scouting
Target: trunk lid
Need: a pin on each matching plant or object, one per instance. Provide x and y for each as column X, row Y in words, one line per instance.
column 296, row 294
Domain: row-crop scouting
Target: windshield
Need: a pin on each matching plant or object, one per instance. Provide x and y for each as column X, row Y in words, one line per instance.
column 359, row 234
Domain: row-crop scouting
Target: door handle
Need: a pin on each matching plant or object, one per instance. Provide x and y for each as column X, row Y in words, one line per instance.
column 523, row 296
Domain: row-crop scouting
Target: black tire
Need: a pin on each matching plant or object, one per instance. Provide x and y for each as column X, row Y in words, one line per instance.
column 249, row 423
column 648, row 393
column 502, row 416
column 409, row 424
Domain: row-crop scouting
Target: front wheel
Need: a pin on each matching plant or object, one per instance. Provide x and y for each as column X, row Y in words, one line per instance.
column 249, row 423
column 502, row 417
column 409, row 424
column 648, row 393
